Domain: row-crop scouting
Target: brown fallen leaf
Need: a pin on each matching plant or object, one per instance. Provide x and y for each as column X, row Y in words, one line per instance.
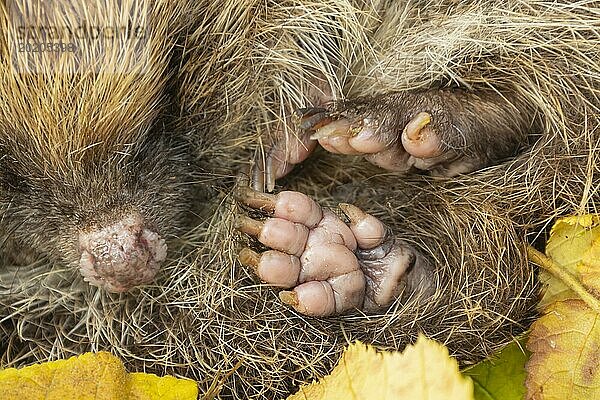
column 565, row 340
column 565, row 360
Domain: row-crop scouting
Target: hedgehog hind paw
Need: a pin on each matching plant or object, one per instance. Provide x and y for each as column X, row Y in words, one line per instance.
column 327, row 267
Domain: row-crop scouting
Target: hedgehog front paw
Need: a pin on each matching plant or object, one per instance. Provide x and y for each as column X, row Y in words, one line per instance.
column 291, row 146
column 444, row 132
column 331, row 267
column 279, row 159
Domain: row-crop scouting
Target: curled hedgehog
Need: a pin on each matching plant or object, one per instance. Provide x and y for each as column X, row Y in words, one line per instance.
column 462, row 129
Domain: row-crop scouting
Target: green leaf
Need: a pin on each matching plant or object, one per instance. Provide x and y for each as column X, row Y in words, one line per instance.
column 502, row 377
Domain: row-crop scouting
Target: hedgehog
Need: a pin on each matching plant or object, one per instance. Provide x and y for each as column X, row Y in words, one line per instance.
column 478, row 125
column 94, row 182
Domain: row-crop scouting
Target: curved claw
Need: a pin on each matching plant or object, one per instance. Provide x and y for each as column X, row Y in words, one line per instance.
column 369, row 231
column 419, row 139
column 311, row 118
column 258, row 179
column 289, row 297
column 249, row 226
column 258, row 200
column 249, row 258
column 268, row 168
column 259, row 168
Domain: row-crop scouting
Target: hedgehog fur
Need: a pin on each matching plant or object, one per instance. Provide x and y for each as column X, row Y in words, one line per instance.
column 245, row 65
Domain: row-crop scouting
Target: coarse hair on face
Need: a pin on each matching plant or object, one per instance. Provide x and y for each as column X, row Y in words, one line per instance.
column 81, row 137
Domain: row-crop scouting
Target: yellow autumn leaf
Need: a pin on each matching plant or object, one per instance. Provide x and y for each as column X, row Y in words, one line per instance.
column 571, row 238
column 574, row 244
column 91, row 376
column 422, row 371
column 152, row 387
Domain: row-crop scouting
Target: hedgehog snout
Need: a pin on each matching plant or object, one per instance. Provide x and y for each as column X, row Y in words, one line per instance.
column 122, row 255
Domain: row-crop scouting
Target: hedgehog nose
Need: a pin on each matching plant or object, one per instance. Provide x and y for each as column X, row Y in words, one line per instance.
column 122, row 255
